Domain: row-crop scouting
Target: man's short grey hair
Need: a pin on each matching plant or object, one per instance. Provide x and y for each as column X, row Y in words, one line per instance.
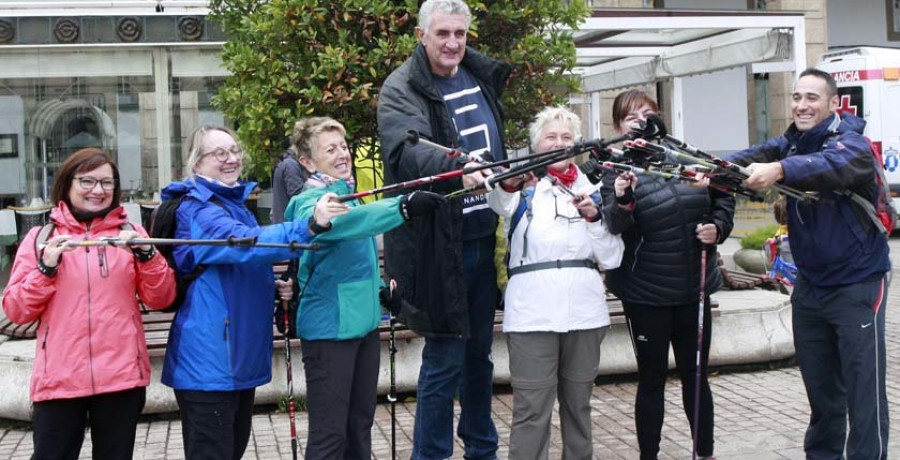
column 445, row 7
column 558, row 113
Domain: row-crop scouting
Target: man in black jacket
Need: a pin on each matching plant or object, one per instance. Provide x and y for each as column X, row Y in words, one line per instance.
column 444, row 264
column 287, row 181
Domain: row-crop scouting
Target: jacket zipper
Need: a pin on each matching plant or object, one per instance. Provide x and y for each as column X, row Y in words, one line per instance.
column 227, row 321
column 87, row 258
column 637, row 249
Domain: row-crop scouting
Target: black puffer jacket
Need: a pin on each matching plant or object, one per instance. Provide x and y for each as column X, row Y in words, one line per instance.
column 425, row 255
column 661, row 264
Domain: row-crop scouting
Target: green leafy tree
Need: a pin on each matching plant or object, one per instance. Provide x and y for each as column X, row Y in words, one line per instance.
column 294, row 58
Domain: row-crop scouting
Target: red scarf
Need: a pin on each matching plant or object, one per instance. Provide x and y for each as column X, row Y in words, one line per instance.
column 566, row 177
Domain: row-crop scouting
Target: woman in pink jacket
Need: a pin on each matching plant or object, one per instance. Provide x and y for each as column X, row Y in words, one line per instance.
column 91, row 356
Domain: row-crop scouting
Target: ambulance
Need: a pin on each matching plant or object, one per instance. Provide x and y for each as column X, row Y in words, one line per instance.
column 868, row 81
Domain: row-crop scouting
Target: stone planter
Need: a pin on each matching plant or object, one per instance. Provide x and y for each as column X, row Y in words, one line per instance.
column 751, row 260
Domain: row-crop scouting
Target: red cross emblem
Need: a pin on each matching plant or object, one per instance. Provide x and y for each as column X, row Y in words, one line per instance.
column 845, row 106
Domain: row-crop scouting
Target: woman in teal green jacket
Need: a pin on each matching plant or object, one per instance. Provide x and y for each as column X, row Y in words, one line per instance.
column 339, row 308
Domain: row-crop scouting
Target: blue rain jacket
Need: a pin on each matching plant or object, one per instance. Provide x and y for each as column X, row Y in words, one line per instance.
column 221, row 337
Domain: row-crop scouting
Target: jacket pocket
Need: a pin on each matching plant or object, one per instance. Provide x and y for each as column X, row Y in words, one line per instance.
column 357, row 310
column 138, row 342
column 44, row 351
column 227, row 334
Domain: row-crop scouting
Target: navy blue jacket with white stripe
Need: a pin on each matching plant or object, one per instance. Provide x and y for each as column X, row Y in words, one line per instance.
column 832, row 240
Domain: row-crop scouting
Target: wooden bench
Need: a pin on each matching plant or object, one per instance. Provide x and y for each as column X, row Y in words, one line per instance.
column 616, row 316
column 157, row 325
column 736, row 280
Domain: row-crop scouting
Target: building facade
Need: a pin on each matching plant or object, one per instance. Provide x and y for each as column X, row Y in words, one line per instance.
column 131, row 77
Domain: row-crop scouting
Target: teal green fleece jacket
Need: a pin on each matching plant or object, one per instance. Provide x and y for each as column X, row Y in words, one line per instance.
column 339, row 283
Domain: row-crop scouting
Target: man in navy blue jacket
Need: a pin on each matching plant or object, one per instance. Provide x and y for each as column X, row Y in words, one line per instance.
column 840, row 295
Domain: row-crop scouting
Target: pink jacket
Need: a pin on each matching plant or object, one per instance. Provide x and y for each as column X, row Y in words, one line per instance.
column 91, row 338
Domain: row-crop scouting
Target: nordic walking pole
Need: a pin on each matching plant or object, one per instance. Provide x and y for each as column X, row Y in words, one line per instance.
column 408, row 184
column 290, row 274
column 725, row 166
column 392, row 394
column 230, row 241
column 683, row 175
column 700, row 310
column 546, row 160
column 437, row 177
column 538, row 161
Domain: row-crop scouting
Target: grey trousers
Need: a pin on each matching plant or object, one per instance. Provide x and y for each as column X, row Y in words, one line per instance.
column 545, row 366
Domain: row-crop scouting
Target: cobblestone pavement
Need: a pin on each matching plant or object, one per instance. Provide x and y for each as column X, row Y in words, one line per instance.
column 760, row 414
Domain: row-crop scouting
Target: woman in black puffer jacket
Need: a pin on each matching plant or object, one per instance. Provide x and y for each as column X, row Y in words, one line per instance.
column 665, row 226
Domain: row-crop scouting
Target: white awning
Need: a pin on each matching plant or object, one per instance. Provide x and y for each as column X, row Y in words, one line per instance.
column 618, row 48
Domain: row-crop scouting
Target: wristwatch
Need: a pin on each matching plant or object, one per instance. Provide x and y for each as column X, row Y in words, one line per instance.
column 143, row 256
column 315, row 228
column 49, row 272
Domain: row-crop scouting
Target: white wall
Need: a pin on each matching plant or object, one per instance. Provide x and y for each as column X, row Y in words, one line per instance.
column 12, row 121
column 715, row 110
column 858, row 23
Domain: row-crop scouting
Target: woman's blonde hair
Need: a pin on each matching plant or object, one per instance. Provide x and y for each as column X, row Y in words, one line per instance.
column 195, row 143
column 306, row 133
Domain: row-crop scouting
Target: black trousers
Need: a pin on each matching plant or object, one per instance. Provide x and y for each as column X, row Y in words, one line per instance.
column 839, row 338
column 59, row 425
column 652, row 329
column 215, row 425
column 342, row 387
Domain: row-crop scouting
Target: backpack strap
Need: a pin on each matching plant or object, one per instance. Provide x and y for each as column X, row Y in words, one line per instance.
column 41, row 238
column 524, row 209
column 867, row 207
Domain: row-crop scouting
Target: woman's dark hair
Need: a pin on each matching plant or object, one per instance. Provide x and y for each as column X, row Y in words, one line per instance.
column 82, row 161
column 627, row 101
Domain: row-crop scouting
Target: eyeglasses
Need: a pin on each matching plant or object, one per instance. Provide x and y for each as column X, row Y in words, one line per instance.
column 88, row 183
column 222, row 154
column 571, row 219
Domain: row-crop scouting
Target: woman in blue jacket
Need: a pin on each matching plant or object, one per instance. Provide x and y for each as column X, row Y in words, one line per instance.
column 339, row 309
column 220, row 345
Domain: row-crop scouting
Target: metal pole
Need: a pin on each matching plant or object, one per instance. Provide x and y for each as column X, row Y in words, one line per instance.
column 292, row 411
column 700, row 312
column 231, row 241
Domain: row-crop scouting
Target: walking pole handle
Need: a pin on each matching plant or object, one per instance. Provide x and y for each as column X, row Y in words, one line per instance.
column 243, row 242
